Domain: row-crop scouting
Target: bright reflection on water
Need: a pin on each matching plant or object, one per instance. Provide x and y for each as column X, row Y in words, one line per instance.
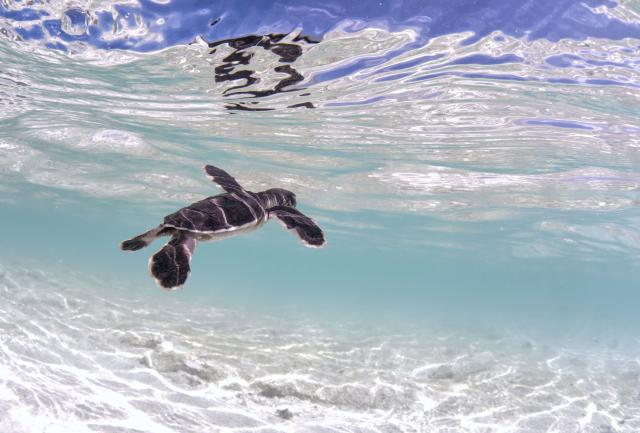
column 477, row 182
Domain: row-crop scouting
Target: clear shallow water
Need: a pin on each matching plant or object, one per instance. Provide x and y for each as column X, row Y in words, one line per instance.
column 475, row 171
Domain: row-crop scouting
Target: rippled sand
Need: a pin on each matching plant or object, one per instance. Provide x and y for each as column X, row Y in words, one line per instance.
column 79, row 356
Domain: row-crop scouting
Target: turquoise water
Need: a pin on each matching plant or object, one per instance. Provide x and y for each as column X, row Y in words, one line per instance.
column 483, row 259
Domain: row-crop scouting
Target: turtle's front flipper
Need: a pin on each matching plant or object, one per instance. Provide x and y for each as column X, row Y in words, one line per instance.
column 309, row 233
column 171, row 265
column 222, row 178
column 143, row 240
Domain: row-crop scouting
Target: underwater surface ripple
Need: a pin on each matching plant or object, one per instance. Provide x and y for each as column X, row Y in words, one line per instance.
column 475, row 167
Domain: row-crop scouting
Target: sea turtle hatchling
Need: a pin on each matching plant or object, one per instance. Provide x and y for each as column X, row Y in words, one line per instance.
column 217, row 217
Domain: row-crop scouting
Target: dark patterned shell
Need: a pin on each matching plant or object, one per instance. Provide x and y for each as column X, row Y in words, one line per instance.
column 219, row 213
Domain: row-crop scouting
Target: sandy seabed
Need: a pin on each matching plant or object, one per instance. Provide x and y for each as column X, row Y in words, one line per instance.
column 76, row 359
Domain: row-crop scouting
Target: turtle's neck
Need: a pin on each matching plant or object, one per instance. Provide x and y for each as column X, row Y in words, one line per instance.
column 277, row 197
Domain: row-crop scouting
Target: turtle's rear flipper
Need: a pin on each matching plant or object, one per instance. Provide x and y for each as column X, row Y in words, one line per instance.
column 134, row 244
column 171, row 265
column 143, row 240
column 304, row 227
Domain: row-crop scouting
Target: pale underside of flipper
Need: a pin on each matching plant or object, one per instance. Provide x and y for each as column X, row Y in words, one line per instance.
column 222, row 178
column 171, row 266
column 304, row 227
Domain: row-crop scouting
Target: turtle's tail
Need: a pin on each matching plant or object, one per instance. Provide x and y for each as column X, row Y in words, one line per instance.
column 170, row 266
column 143, row 240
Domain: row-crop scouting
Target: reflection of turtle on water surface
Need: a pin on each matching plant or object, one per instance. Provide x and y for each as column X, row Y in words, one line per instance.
column 236, row 211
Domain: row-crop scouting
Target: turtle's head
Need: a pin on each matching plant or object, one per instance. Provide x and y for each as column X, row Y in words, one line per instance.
column 277, row 197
